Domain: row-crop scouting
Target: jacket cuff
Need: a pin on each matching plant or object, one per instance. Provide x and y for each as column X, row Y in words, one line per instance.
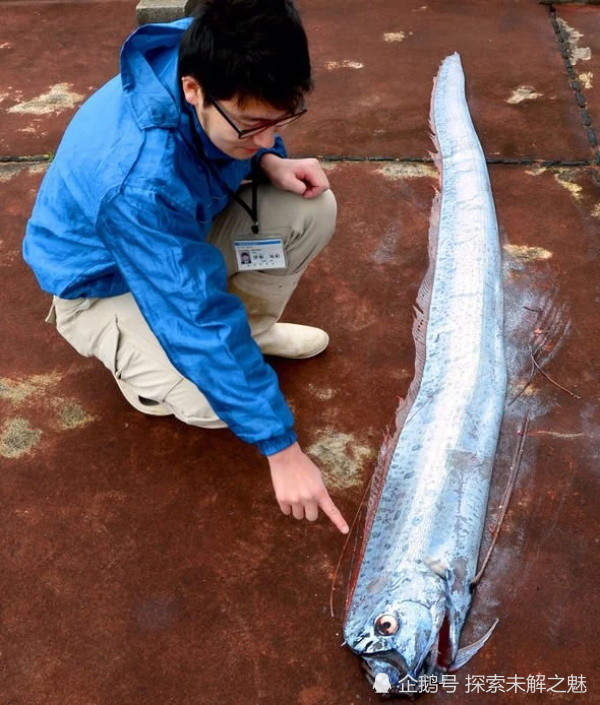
column 277, row 443
column 278, row 149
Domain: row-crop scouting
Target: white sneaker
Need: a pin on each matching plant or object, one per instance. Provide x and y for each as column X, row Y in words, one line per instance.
column 292, row 340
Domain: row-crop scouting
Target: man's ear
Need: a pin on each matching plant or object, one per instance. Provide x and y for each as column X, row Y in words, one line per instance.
column 191, row 90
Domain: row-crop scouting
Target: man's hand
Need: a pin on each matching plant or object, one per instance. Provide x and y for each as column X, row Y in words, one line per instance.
column 302, row 176
column 299, row 487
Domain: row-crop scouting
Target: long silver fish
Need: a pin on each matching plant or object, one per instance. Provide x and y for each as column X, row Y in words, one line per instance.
column 427, row 507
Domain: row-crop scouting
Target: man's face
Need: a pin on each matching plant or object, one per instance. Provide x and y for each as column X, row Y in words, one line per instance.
column 221, row 133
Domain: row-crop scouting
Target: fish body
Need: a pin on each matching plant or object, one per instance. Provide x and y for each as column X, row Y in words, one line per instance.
column 428, row 503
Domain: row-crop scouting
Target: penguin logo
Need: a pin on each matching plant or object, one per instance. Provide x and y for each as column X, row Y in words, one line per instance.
column 382, row 684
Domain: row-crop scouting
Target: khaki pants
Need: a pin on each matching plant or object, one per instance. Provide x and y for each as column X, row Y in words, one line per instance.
column 113, row 329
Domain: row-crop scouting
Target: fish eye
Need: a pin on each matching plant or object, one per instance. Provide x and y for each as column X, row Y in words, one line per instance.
column 386, row 624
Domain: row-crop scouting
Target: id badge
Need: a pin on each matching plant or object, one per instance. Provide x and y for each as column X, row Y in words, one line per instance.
column 259, row 254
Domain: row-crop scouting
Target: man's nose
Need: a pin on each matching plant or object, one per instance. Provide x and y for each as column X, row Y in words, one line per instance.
column 264, row 140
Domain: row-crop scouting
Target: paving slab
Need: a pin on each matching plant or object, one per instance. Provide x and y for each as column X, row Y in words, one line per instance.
column 580, row 26
column 374, row 78
column 373, row 75
column 52, row 57
column 159, row 10
column 147, row 561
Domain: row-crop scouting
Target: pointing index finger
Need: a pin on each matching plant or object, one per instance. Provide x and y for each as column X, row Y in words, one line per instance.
column 334, row 514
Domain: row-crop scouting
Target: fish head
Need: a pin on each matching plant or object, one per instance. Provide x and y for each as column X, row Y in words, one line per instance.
column 399, row 641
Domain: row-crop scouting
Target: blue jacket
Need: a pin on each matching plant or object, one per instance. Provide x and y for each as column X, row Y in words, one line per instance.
column 126, row 205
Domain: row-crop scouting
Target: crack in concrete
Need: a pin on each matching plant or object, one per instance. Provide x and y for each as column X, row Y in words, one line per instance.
column 334, row 158
column 565, row 43
column 520, row 161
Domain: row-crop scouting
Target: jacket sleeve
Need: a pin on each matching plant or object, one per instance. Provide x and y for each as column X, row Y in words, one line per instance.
column 180, row 285
column 278, row 149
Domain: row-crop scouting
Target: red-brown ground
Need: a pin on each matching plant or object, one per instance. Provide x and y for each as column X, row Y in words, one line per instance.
column 144, row 561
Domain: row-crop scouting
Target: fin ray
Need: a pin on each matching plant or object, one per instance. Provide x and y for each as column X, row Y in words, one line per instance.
column 466, row 653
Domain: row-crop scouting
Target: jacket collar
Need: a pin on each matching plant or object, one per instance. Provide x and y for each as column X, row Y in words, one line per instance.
column 150, row 81
column 190, row 121
column 154, row 103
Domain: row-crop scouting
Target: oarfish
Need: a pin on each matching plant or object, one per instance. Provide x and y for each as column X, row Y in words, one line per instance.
column 427, row 507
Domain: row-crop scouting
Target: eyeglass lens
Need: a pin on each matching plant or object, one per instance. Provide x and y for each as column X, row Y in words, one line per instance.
column 257, row 130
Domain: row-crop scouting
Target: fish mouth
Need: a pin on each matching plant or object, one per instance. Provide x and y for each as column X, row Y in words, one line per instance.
column 403, row 681
column 394, row 659
column 392, row 665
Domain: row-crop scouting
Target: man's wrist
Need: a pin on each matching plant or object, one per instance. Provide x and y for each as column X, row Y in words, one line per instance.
column 274, row 445
column 285, row 455
column 268, row 158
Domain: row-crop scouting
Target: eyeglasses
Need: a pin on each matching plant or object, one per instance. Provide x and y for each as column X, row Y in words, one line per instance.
column 265, row 125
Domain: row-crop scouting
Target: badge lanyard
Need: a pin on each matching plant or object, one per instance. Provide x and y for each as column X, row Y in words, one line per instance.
column 251, row 210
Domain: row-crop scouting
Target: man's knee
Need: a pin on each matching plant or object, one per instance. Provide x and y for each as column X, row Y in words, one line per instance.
column 313, row 230
column 325, row 206
column 322, row 211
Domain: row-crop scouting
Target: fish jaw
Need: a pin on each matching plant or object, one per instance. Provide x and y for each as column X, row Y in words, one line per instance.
column 389, row 669
column 378, row 671
column 405, row 654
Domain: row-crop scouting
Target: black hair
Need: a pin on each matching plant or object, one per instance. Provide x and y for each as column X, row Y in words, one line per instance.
column 254, row 49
